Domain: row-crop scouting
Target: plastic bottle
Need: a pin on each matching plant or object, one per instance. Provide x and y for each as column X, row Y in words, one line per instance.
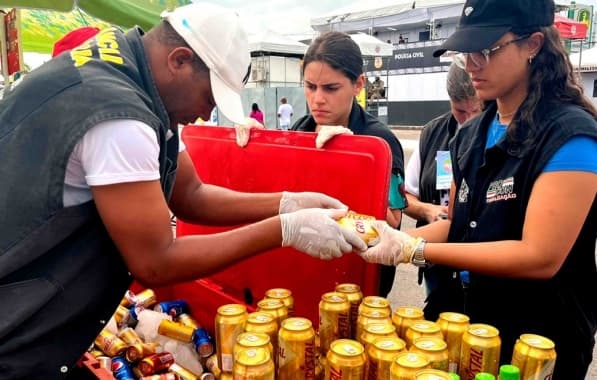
column 484, row 376
column 509, row 372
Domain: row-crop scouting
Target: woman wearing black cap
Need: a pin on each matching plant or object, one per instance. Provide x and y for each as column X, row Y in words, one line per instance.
column 523, row 207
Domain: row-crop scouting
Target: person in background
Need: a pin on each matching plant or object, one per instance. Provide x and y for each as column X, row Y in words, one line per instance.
column 285, row 113
column 333, row 75
column 256, row 113
column 378, row 90
column 427, row 184
column 523, row 202
column 92, row 187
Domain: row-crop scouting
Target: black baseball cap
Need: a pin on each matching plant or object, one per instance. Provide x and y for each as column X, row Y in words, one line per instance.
column 484, row 22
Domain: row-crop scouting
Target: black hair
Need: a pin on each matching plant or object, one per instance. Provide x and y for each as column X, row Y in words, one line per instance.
column 254, row 107
column 337, row 50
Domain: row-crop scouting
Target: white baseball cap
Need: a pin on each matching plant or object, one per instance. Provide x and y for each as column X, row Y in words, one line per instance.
column 218, row 38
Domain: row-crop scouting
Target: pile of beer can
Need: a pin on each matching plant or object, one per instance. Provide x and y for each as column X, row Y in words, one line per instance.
column 125, row 355
column 356, row 338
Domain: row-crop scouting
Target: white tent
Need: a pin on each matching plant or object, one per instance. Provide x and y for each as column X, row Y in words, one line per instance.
column 271, row 42
column 371, row 46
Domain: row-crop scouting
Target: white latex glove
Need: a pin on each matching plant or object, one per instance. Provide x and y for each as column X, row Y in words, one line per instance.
column 243, row 131
column 316, row 232
column 394, row 246
column 290, row 202
column 326, row 132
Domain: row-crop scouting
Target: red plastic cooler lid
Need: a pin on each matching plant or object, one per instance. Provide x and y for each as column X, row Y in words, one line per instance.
column 354, row 169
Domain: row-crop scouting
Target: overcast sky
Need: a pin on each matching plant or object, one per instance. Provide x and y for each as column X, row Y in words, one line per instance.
column 293, row 17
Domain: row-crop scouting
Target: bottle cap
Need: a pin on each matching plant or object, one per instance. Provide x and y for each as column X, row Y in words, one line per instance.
column 484, row 376
column 509, row 372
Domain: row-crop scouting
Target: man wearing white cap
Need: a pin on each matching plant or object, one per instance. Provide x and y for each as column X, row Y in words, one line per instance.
column 92, row 167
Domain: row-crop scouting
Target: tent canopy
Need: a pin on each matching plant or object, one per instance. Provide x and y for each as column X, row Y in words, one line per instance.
column 371, row 46
column 570, row 29
column 272, row 42
column 125, row 13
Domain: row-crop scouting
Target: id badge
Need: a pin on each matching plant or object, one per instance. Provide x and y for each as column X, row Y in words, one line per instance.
column 443, row 176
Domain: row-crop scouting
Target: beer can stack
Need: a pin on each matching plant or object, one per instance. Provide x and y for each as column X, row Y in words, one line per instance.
column 127, row 355
column 355, row 338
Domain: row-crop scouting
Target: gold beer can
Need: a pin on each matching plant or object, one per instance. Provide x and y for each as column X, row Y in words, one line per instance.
column 284, row 295
column 334, row 312
column 374, row 303
column 407, row 364
column 107, row 342
column 404, row 316
column 355, row 296
column 368, row 316
column 275, row 307
column 145, row 298
column 535, row 356
column 254, row 364
column 362, row 225
column 453, row 326
column 420, row 329
column 297, row 351
column 432, row 374
column 248, row 340
column 345, row 360
column 129, row 336
column 480, row 351
column 436, row 350
column 374, row 331
column 229, row 323
column 187, row 320
column 381, row 354
column 182, row 373
column 121, row 316
column 211, row 364
column 176, row 330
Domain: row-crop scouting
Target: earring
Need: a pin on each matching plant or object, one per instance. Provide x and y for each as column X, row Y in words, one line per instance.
column 531, row 59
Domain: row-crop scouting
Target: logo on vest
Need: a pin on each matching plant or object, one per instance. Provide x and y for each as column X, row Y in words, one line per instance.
column 500, row 190
column 463, row 192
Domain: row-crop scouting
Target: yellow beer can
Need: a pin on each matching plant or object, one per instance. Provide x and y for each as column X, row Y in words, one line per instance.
column 535, row 356
column 407, row 364
column 248, row 340
column 480, row 351
column 345, row 360
column 297, row 351
column 275, row 307
column 182, row 373
column 110, row 344
column 404, row 316
column 284, row 295
column 334, row 311
column 368, row 316
column 436, row 350
column 381, row 354
column 229, row 323
column 420, row 329
column 453, row 326
column 254, row 364
column 374, row 303
column 432, row 374
column 176, row 330
column 374, row 331
column 362, row 225
column 355, row 296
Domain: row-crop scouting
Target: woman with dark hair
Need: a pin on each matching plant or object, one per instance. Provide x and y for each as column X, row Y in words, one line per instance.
column 333, row 75
column 523, row 205
column 256, row 113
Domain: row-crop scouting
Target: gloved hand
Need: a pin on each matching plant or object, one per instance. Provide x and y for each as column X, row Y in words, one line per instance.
column 316, row 232
column 326, row 132
column 243, row 131
column 291, row 202
column 394, row 246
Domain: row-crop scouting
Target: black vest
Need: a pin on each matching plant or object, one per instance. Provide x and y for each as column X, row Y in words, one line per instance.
column 61, row 276
column 493, row 188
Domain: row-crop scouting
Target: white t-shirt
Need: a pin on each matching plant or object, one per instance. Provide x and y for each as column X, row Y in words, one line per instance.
column 413, row 170
column 285, row 111
column 115, row 151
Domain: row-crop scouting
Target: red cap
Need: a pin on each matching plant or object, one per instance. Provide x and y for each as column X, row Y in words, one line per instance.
column 73, row 39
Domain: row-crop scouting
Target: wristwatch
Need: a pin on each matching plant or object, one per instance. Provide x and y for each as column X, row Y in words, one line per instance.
column 418, row 258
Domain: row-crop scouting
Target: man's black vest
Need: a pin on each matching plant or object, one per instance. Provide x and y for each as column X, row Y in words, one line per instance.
column 61, row 276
